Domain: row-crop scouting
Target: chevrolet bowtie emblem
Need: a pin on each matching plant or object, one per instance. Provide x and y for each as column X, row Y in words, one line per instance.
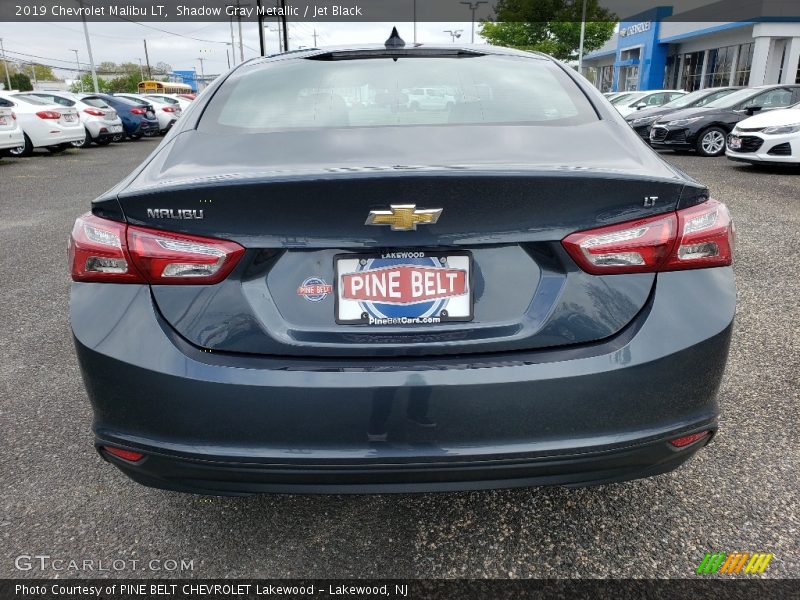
column 404, row 217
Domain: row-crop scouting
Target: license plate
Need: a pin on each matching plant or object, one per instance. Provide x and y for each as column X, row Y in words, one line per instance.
column 69, row 117
column 3, row 121
column 403, row 288
column 734, row 143
column 115, row 129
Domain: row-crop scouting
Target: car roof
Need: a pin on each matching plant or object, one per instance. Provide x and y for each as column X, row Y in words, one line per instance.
column 410, row 49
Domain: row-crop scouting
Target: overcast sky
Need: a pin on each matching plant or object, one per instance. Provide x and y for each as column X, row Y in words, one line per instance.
column 122, row 42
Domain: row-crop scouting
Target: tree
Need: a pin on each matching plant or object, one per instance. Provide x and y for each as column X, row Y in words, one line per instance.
column 21, row 82
column 126, row 83
column 162, row 68
column 88, row 84
column 549, row 26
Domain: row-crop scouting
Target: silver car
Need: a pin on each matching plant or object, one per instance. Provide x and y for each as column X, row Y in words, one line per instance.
column 101, row 121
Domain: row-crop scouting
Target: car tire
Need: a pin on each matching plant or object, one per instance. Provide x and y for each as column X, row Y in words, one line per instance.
column 118, row 137
column 103, row 142
column 25, row 150
column 135, row 136
column 711, row 142
column 87, row 141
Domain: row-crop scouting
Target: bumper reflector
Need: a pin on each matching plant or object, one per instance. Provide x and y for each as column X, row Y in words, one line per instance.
column 128, row 455
column 686, row 440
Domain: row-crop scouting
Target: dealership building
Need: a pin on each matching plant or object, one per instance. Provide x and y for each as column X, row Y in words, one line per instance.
column 659, row 51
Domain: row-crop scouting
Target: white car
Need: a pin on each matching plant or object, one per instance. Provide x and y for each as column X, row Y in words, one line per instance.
column 44, row 125
column 100, row 120
column 429, row 99
column 166, row 113
column 771, row 137
column 649, row 99
column 11, row 135
column 172, row 99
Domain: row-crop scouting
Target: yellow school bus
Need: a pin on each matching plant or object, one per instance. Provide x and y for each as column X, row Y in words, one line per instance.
column 164, row 87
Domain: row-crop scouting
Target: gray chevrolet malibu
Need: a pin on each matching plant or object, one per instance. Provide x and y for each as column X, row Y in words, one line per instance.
column 401, row 268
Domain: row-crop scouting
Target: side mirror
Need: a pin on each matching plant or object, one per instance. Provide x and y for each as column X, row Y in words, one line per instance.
column 641, row 105
column 751, row 110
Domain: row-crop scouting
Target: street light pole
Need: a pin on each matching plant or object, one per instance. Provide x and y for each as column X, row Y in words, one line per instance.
column 454, row 34
column 89, row 49
column 77, row 62
column 5, row 63
column 583, row 34
column 473, row 6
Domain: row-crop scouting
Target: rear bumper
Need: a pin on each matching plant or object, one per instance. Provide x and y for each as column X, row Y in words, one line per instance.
column 218, row 423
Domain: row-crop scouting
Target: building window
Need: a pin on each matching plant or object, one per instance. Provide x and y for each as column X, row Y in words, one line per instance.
column 692, row 70
column 606, row 78
column 742, row 76
column 671, row 73
column 718, row 70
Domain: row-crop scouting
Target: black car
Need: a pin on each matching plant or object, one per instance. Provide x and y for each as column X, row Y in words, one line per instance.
column 138, row 118
column 643, row 120
column 705, row 129
column 305, row 289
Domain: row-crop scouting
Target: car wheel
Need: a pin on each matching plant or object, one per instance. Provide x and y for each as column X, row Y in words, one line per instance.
column 135, row 136
column 118, row 137
column 25, row 150
column 711, row 142
column 87, row 141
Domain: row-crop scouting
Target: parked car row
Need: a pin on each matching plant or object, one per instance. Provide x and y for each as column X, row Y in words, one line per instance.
column 746, row 123
column 60, row 120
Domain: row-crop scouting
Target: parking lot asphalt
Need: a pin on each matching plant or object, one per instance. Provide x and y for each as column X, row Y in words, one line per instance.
column 60, row 499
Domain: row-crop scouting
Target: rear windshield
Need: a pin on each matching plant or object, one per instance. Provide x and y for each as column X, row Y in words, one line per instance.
column 96, row 102
column 32, row 100
column 365, row 92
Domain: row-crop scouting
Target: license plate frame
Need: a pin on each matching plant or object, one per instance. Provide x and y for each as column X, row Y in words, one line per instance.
column 69, row 117
column 734, row 142
column 424, row 313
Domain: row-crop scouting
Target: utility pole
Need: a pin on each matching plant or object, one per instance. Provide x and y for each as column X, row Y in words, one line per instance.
column 33, row 72
column 415, row 20
column 228, row 56
column 239, row 5
column 141, row 71
column 5, row 63
column 147, row 60
column 77, row 62
column 583, row 34
column 202, row 69
column 285, row 26
column 315, row 38
column 89, row 49
column 473, row 6
column 454, row 34
column 260, row 19
column 233, row 43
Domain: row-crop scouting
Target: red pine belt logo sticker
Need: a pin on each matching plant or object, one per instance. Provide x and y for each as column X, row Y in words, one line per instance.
column 404, row 284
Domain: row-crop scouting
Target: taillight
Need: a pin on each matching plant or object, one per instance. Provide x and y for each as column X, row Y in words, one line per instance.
column 138, row 111
column 178, row 258
column 94, row 112
column 107, row 251
column 691, row 238
column 48, row 114
column 168, row 109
